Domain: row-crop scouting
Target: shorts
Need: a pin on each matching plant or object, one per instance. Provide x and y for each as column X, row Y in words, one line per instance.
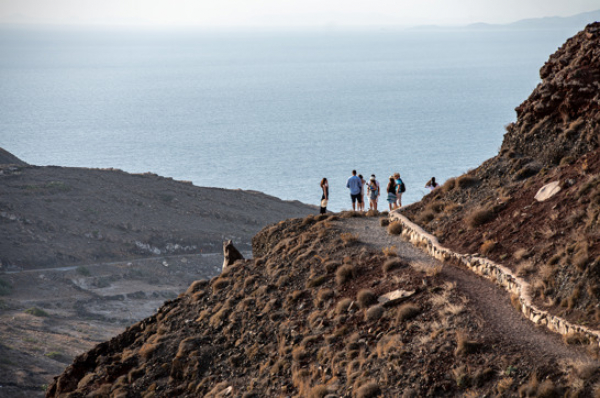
column 356, row 198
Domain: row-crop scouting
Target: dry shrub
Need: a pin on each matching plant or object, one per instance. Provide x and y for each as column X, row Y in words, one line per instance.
column 515, row 300
column 372, row 213
column 448, row 185
column 585, row 370
column 374, row 313
column 426, row 217
column 331, row 265
column 479, row 217
column 368, row 390
column 395, row 228
column 366, row 298
column 384, row 222
column 343, row 306
column 344, row 273
column 436, row 206
column 464, row 346
column 220, row 284
column 466, row 181
column 529, row 389
column 504, row 384
column 318, row 391
column 299, row 353
column 525, row 268
column 392, row 264
column 324, row 295
column 547, row 389
column 487, row 246
column 316, row 281
column 407, row 311
column 390, row 251
column 576, row 338
column 348, row 237
column 349, row 214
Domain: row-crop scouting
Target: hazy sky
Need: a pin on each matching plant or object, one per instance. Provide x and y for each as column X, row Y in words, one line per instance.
column 208, row 13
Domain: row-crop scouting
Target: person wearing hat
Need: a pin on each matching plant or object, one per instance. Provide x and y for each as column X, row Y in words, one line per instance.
column 399, row 189
column 373, row 190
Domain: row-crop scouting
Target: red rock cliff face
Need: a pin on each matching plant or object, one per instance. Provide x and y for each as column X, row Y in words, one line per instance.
column 560, row 119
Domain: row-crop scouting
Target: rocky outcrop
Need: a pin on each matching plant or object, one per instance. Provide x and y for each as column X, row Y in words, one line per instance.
column 561, row 118
column 7, row 158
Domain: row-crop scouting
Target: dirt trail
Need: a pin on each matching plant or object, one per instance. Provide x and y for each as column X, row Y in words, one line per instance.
column 491, row 302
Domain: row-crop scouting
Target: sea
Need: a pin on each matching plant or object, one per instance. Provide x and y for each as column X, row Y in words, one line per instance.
column 267, row 110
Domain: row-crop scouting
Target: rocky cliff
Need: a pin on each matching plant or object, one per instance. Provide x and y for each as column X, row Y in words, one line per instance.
column 492, row 210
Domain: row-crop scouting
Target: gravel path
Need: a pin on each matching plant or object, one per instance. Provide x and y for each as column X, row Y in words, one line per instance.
column 491, row 303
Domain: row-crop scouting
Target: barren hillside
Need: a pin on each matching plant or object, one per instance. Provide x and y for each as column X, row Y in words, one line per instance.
column 492, row 211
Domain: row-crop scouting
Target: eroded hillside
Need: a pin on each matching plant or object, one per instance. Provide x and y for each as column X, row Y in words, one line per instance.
column 492, row 211
column 304, row 319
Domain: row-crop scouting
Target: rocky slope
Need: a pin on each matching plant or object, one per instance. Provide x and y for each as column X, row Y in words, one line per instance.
column 492, row 211
column 304, row 320
column 59, row 216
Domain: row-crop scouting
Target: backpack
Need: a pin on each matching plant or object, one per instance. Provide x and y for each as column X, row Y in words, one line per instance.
column 401, row 187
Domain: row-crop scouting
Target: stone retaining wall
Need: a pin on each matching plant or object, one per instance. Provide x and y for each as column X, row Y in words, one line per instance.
column 497, row 273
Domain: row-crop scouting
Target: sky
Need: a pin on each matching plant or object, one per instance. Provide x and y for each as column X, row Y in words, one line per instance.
column 289, row 13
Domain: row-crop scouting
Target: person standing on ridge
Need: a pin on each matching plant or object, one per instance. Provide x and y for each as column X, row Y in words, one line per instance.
column 361, row 202
column 431, row 184
column 373, row 192
column 391, row 191
column 400, row 188
column 325, row 196
column 354, row 184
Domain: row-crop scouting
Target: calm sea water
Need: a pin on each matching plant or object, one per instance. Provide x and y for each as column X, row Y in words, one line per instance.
column 269, row 111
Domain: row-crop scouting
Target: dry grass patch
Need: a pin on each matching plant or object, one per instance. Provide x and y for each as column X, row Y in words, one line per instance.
column 487, row 246
column 390, row 251
column 368, row 390
column 464, row 346
column 343, row 306
column 407, row 311
column 479, row 217
column 384, row 222
column 466, row 181
column 374, row 313
column 366, row 298
column 392, row 264
column 395, row 228
column 348, row 238
column 344, row 273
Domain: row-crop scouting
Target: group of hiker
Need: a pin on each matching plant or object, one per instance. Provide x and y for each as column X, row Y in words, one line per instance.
column 358, row 186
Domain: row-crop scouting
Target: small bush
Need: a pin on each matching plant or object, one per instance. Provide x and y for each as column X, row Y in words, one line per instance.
column 342, row 306
column 479, row 217
column 407, row 311
column 372, row 213
column 392, row 264
column 344, row 274
column 395, row 228
column 426, row 217
column 220, row 284
column 390, row 251
column 348, row 237
column 448, row 185
column 374, row 313
column 487, row 246
column 5, row 288
column 464, row 346
column 319, row 391
column 82, row 270
column 369, row 390
column 366, row 298
column 575, row 338
column 466, row 181
column 317, row 281
column 384, row 222
column 35, row 311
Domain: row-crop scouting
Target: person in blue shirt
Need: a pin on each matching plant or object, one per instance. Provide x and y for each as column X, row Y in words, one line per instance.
column 354, row 184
